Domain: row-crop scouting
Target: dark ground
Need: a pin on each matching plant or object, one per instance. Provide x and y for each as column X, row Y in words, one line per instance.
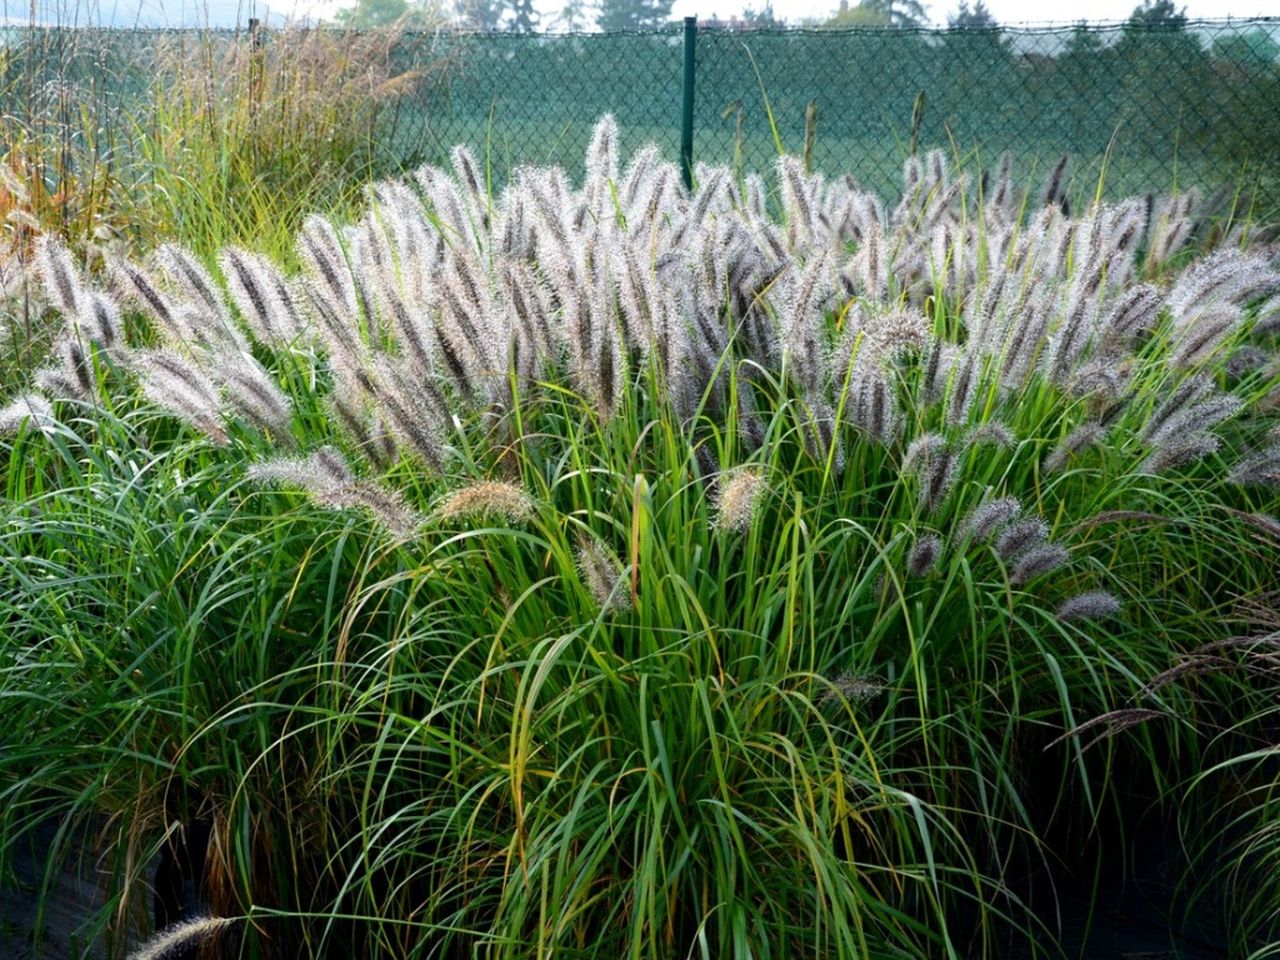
column 1132, row 921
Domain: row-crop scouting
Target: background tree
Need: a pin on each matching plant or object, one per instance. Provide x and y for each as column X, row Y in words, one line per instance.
column 762, row 19
column 1157, row 13
column 1157, row 30
column 1251, row 50
column 621, row 15
column 862, row 15
column 367, row 14
column 1083, row 41
column 901, row 13
column 483, row 15
column 574, row 17
column 977, row 18
column 524, row 16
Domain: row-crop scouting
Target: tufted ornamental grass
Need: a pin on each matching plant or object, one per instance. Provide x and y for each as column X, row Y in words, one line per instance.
column 774, row 731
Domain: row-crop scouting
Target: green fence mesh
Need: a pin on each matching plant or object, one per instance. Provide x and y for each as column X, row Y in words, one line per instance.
column 1158, row 106
column 1151, row 106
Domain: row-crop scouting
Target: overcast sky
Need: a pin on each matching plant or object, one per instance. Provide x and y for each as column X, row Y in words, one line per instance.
column 232, row 12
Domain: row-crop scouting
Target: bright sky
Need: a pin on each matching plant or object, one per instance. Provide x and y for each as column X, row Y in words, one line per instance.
column 1005, row 11
column 233, row 12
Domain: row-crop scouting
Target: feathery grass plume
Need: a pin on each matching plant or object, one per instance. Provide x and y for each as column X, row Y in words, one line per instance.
column 1178, row 451
column 445, row 201
column 349, row 411
column 1268, row 316
column 1261, row 469
column 940, row 358
column 1038, row 560
column 1001, row 201
column 871, row 264
column 190, row 276
column 987, row 518
column 1054, row 190
column 897, row 333
column 638, row 293
column 321, row 252
column 1187, row 392
column 1198, row 340
column 99, row 320
column 1170, row 226
column 145, row 292
column 1071, row 338
column 738, row 499
column 1113, row 723
column 760, row 338
column 1244, row 361
column 1027, row 335
column 485, row 499
column 933, row 464
column 802, row 329
column 1102, row 379
column 59, row 274
column 601, row 169
column 1195, row 418
column 924, row 555
column 602, row 574
column 411, row 407
column 990, row 433
column 33, row 408
column 797, row 204
column 1088, row 434
column 474, row 191
column 527, row 297
column 255, row 395
column 1225, row 276
column 179, row 937
column 963, row 387
column 412, row 329
column 72, row 376
column 328, row 481
column 875, row 411
column 852, row 353
column 182, row 389
column 262, row 295
column 460, row 342
column 852, row 689
column 639, row 174
column 1092, row 605
column 385, row 505
column 398, row 223
column 1019, row 536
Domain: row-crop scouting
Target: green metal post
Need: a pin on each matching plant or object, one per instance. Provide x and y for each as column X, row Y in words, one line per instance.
column 686, row 125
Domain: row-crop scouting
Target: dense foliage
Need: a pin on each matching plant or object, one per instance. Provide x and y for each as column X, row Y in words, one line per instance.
column 613, row 570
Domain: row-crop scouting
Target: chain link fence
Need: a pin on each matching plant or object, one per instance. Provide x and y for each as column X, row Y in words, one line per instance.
column 1140, row 108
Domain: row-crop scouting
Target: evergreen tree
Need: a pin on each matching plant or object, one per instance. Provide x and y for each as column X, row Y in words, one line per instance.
column 899, row 13
column 762, row 19
column 525, row 16
column 574, row 16
column 1083, row 41
column 977, row 18
column 621, row 15
column 484, row 15
column 366, row 14
column 858, row 16
column 1163, row 13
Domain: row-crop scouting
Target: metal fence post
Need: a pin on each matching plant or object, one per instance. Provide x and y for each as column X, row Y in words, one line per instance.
column 686, row 125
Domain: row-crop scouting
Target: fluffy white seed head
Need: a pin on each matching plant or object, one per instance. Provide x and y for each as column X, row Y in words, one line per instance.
column 739, row 499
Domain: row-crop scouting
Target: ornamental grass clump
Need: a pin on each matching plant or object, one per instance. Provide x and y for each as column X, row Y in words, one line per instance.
column 678, row 572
